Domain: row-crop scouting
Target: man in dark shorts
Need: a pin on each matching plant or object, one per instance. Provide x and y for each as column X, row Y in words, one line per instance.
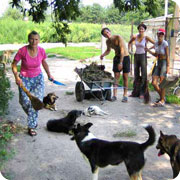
column 121, row 61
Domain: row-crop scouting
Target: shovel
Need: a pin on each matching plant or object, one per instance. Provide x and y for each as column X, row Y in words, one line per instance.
column 36, row 103
column 57, row 82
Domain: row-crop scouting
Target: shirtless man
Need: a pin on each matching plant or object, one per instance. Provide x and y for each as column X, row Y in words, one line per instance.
column 121, row 61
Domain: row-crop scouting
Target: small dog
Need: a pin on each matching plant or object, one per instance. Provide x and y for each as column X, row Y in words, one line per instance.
column 5, row 58
column 49, row 101
column 101, row 153
column 170, row 144
column 65, row 124
column 94, row 110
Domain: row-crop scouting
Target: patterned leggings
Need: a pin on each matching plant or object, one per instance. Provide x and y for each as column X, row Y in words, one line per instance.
column 35, row 86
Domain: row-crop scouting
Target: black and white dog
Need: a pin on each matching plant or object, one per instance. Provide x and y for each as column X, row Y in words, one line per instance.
column 94, row 110
column 101, row 153
column 65, row 124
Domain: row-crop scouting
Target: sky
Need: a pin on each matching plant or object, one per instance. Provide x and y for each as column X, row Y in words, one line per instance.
column 104, row 3
column 4, row 5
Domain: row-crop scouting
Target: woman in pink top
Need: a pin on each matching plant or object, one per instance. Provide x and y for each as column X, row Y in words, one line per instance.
column 140, row 60
column 31, row 57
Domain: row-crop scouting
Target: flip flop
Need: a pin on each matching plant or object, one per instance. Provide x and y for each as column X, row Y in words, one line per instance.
column 124, row 99
column 159, row 104
column 114, row 98
column 32, row 132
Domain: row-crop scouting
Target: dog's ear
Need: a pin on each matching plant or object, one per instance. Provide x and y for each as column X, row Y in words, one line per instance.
column 161, row 133
column 88, row 125
column 73, row 138
column 174, row 136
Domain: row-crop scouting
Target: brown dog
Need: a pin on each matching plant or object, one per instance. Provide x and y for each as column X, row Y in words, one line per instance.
column 49, row 101
column 170, row 144
column 4, row 58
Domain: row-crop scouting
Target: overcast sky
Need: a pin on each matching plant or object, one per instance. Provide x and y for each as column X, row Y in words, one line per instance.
column 103, row 3
column 4, row 4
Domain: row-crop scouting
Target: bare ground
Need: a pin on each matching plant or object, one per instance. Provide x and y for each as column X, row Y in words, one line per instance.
column 53, row 156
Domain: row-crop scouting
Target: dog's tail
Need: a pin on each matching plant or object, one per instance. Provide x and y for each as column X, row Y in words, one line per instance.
column 151, row 139
column 104, row 113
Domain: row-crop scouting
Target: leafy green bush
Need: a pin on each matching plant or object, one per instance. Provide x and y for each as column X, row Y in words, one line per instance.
column 5, row 93
column 16, row 31
column 172, row 99
column 84, row 32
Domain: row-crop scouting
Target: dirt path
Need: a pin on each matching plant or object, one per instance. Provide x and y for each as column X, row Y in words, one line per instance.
column 53, row 156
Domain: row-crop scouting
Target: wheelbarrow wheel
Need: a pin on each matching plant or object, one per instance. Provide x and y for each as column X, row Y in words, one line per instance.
column 108, row 94
column 79, row 91
column 177, row 91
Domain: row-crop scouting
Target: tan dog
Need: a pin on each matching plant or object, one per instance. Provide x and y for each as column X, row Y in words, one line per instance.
column 170, row 144
column 49, row 101
column 5, row 58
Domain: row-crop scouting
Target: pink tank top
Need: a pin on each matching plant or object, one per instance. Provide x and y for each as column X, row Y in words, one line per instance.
column 30, row 66
column 140, row 46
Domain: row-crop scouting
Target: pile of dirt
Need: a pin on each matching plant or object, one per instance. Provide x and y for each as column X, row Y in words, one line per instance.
column 94, row 72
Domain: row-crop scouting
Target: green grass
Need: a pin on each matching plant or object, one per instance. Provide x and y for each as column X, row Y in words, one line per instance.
column 130, row 82
column 7, row 131
column 76, row 53
column 69, row 93
column 172, row 99
column 128, row 133
column 51, row 55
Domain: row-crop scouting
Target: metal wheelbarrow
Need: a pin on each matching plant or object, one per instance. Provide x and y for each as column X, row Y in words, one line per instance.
column 100, row 90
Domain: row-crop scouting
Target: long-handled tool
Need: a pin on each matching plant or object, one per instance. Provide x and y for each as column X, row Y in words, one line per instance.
column 36, row 103
column 147, row 97
column 154, row 64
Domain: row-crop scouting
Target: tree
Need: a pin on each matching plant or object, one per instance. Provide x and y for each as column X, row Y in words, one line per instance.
column 92, row 14
column 64, row 11
column 151, row 6
column 112, row 15
column 13, row 13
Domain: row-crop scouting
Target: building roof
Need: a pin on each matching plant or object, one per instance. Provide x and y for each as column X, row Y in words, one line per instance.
column 157, row 22
column 158, row 19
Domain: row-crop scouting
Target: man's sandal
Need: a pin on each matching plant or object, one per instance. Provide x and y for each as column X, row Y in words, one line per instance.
column 159, row 104
column 32, row 132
